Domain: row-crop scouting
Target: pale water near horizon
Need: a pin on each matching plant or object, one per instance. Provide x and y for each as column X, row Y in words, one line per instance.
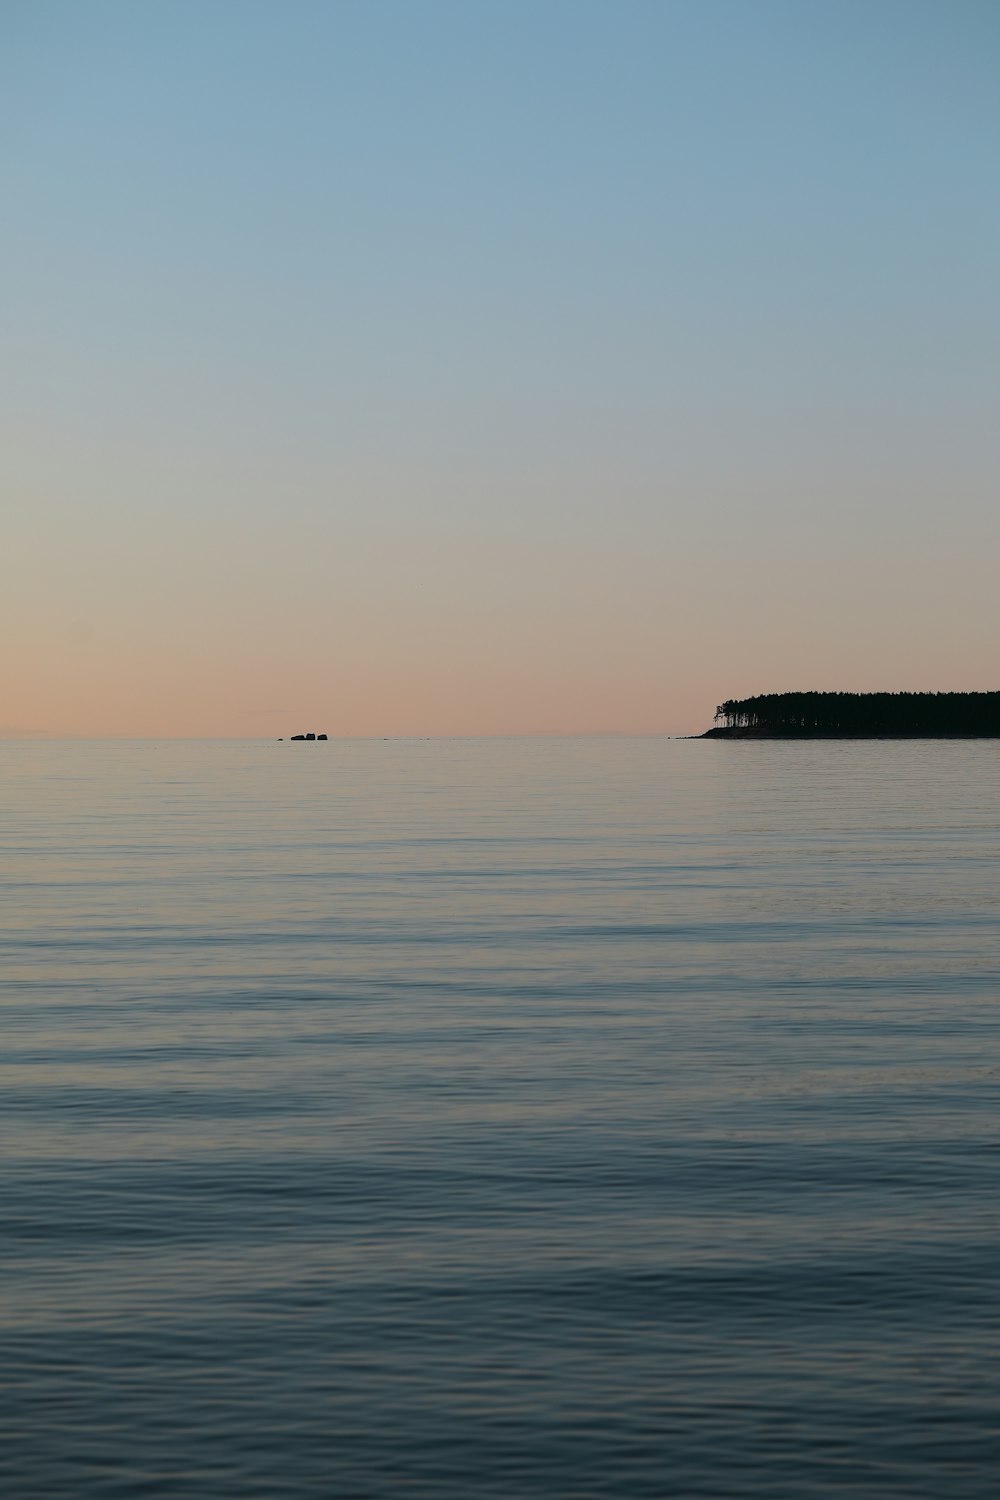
column 500, row 1118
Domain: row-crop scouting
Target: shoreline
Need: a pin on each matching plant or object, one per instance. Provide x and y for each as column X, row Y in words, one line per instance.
column 808, row 734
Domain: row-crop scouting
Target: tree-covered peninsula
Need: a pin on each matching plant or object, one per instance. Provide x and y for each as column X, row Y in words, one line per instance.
column 787, row 716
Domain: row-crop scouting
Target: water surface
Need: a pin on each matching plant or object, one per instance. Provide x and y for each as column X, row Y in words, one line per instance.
column 500, row 1118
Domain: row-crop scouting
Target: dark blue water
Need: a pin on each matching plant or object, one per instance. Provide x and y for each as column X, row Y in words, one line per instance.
column 459, row 1119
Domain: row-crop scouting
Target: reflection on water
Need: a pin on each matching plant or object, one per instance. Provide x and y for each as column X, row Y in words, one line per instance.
column 459, row 1119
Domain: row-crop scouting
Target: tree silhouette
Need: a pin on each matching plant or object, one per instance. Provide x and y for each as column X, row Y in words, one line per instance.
column 864, row 715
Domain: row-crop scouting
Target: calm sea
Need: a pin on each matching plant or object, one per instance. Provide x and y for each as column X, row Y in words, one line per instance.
column 446, row 1119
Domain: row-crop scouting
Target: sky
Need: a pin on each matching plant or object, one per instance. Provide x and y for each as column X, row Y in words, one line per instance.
column 429, row 367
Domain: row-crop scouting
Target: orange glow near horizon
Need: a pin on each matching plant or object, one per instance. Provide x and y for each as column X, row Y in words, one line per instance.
column 498, row 640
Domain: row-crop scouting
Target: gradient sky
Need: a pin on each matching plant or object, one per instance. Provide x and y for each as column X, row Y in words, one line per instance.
column 494, row 366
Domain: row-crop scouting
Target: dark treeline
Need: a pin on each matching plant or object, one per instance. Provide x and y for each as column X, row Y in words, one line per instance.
column 861, row 714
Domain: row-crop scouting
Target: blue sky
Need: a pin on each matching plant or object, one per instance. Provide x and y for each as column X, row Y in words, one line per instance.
column 456, row 367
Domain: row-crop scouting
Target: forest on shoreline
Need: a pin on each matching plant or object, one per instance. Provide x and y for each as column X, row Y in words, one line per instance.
column 858, row 716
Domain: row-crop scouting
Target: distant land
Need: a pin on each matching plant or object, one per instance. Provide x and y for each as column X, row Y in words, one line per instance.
column 858, row 716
